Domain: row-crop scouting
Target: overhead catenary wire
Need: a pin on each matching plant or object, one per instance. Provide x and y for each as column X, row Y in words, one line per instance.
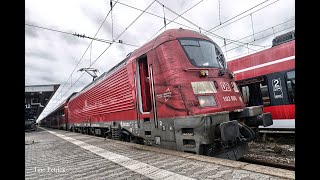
column 219, row 12
column 88, row 45
column 111, row 20
column 125, row 30
column 64, row 84
column 260, row 38
column 224, row 25
column 177, row 18
column 109, row 47
column 237, row 14
column 179, row 15
column 84, row 36
column 162, row 17
column 90, row 52
column 252, row 27
column 214, row 35
column 170, row 21
column 49, row 29
column 257, row 40
column 264, row 30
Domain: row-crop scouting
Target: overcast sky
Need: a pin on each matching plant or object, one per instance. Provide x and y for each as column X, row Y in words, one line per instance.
column 50, row 57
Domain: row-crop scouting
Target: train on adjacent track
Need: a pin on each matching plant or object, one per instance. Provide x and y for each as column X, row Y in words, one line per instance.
column 174, row 92
column 268, row 78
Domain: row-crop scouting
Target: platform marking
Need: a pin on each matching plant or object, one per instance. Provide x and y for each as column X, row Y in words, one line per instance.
column 134, row 165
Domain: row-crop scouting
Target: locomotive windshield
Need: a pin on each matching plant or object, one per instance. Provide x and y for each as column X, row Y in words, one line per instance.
column 202, row 53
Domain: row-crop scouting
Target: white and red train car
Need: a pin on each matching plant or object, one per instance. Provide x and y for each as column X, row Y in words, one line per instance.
column 173, row 92
column 268, row 78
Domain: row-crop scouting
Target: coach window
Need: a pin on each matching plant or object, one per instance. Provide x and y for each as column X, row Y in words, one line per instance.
column 291, row 85
column 245, row 94
column 255, row 92
column 265, row 93
column 251, row 94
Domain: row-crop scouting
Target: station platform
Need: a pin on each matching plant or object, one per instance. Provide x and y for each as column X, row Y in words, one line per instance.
column 58, row 154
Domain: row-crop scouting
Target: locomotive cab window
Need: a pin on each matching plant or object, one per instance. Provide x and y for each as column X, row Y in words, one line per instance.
column 291, row 85
column 202, row 53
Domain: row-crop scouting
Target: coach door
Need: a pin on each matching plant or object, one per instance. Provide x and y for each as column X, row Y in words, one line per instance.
column 145, row 93
column 278, row 89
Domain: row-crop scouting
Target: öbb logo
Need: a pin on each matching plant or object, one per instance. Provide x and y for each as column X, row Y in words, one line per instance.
column 225, row 86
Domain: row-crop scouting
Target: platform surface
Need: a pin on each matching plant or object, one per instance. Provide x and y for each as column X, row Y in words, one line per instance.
column 58, row 154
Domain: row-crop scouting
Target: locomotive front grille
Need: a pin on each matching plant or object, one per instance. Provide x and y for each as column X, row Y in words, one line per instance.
column 187, row 131
column 189, row 143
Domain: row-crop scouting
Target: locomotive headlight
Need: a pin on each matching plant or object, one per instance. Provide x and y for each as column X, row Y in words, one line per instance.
column 206, row 101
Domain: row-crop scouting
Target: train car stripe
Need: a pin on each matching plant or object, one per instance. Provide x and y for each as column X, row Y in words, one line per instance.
column 265, row 64
column 134, row 165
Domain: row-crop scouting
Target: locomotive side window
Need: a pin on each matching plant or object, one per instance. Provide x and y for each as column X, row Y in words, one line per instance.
column 291, row 85
column 202, row 53
column 144, row 82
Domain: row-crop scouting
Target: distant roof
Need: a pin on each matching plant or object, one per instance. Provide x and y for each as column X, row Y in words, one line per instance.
column 37, row 98
column 283, row 38
column 41, row 88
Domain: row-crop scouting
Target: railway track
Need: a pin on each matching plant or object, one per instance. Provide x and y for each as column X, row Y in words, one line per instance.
column 266, row 163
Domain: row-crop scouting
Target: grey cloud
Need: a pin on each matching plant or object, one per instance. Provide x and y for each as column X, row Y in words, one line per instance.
column 38, row 69
column 48, row 78
column 41, row 54
column 29, row 31
column 97, row 18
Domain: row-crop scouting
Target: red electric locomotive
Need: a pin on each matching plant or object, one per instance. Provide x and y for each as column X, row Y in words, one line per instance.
column 268, row 78
column 174, row 92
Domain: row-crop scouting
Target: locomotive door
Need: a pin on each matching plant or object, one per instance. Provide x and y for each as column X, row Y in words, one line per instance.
column 145, row 93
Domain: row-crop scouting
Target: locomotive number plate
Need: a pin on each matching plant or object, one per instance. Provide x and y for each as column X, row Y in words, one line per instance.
column 229, row 98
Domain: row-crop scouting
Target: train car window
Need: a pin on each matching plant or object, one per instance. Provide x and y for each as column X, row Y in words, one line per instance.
column 245, row 94
column 291, row 85
column 255, row 97
column 202, row 53
column 265, row 94
column 255, row 92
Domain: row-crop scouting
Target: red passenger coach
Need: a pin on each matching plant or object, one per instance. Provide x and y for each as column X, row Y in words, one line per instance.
column 268, row 78
column 174, row 92
column 58, row 118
